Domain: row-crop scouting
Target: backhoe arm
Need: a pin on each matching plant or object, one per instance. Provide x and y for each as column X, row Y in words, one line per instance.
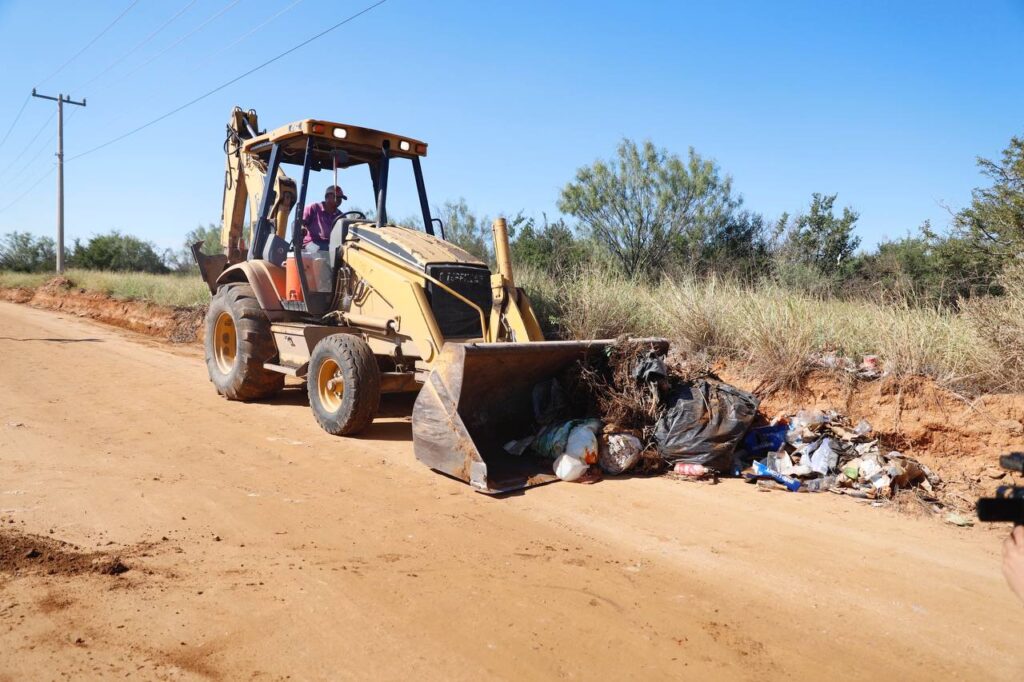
column 244, row 179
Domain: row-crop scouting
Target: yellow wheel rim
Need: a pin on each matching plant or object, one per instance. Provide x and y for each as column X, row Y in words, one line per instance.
column 330, row 385
column 225, row 342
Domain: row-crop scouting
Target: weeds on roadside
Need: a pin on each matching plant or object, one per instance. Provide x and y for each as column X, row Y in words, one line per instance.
column 776, row 332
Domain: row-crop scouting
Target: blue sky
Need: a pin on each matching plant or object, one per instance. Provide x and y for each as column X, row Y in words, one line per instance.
column 887, row 104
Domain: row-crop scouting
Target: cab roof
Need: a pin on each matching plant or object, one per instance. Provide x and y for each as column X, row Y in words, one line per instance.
column 363, row 145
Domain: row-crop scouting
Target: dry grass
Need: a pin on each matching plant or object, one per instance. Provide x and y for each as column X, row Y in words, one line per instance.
column 594, row 304
column 169, row 290
column 18, row 280
column 775, row 332
column 1000, row 325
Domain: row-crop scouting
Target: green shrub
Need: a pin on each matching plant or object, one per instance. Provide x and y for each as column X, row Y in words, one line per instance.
column 117, row 252
column 24, row 252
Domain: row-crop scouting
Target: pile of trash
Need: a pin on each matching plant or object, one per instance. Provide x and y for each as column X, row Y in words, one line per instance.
column 813, row 451
column 650, row 417
column 577, row 445
column 644, row 413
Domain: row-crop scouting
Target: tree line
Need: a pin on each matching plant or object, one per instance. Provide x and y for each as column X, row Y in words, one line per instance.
column 649, row 213
column 113, row 251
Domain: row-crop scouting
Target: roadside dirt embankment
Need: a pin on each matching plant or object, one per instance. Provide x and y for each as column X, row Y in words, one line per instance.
column 174, row 324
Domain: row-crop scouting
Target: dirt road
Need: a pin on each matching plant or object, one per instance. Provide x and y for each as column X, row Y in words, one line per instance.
column 259, row 547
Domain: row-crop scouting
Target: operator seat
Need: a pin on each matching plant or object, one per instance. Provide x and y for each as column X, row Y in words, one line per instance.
column 339, row 230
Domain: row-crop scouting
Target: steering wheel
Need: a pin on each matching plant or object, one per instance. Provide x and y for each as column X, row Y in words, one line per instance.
column 354, row 214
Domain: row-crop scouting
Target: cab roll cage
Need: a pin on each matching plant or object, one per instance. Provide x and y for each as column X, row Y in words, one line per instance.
column 266, row 245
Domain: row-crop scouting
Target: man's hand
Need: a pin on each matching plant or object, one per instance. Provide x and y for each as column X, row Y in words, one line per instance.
column 1013, row 561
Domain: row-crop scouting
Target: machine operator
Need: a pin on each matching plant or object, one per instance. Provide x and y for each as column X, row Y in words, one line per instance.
column 319, row 217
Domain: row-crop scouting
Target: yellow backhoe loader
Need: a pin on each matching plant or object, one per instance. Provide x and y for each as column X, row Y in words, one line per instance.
column 384, row 309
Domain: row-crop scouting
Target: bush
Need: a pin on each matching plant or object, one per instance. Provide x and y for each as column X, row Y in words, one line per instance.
column 24, row 252
column 552, row 248
column 117, row 252
column 182, row 260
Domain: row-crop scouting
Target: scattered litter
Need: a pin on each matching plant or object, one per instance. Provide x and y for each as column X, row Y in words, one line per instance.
column 823, row 458
column 870, row 367
column 582, row 443
column 824, row 451
column 791, row 484
column 571, row 444
column 693, row 472
column 576, row 437
column 618, row 452
column 765, row 439
column 959, row 520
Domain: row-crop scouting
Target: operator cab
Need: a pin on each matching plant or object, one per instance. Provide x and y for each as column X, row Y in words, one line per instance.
column 322, row 145
column 316, row 145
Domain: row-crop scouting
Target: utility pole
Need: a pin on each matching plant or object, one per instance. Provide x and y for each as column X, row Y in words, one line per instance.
column 61, row 100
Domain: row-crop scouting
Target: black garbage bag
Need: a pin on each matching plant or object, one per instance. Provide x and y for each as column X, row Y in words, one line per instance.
column 651, row 367
column 549, row 402
column 704, row 422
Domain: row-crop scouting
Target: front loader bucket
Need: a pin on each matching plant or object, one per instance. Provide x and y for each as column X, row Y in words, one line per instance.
column 479, row 397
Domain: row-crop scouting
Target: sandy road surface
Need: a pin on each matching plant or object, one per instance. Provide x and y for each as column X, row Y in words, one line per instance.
column 262, row 548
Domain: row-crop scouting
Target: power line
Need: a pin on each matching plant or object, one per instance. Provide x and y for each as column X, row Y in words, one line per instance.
column 247, row 34
column 183, row 38
column 59, row 69
column 31, row 187
column 16, row 117
column 34, row 137
column 140, row 44
column 180, row 40
column 230, row 82
column 38, row 156
column 91, row 42
column 40, row 153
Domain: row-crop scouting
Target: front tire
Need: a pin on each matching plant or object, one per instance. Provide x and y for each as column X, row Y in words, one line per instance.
column 343, row 384
column 238, row 342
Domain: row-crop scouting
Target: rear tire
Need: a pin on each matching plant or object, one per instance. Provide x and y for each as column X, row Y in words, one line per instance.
column 238, row 342
column 343, row 384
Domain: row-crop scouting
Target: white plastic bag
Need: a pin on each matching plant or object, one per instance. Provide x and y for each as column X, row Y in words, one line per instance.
column 824, row 459
column 582, row 443
column 569, row 468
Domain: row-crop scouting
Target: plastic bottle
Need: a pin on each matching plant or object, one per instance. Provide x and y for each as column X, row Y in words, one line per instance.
column 817, row 485
column 791, row 484
column 690, row 470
